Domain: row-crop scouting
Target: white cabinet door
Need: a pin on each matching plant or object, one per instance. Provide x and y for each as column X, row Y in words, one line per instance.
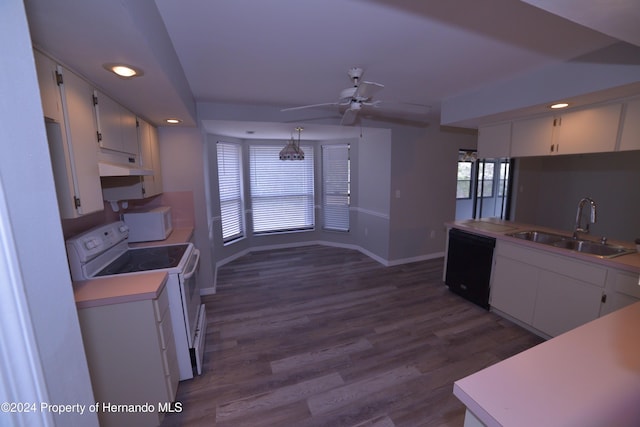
column 49, row 90
column 116, row 126
column 630, row 139
column 514, row 288
column 81, row 142
column 150, row 153
column 532, row 137
column 494, row 141
column 134, row 187
column 131, row 357
column 550, row 292
column 622, row 289
column 593, row 130
column 564, row 303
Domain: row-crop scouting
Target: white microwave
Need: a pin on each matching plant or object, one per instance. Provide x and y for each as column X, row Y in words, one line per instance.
column 148, row 225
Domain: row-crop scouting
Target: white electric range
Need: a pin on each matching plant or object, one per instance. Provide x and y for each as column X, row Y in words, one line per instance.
column 104, row 251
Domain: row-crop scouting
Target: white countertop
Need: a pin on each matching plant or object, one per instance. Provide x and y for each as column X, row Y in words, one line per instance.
column 587, row 377
column 119, row 289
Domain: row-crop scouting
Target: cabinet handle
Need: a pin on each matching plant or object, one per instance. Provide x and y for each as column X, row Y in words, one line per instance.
column 604, row 298
column 552, row 147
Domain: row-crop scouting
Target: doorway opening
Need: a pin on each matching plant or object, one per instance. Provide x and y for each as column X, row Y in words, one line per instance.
column 483, row 187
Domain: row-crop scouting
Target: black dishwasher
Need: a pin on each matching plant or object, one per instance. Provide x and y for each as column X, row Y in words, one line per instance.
column 469, row 261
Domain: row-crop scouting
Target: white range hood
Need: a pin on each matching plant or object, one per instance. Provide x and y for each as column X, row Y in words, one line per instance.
column 112, row 163
column 115, row 169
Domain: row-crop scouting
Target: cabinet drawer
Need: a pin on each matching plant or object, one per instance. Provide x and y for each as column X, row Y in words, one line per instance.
column 161, row 305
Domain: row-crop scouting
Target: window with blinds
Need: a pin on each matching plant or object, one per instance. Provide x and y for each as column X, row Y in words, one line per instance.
column 230, row 186
column 282, row 195
column 336, row 187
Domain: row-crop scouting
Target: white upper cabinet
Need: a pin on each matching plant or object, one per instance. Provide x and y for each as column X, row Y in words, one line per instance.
column 630, row 139
column 150, row 158
column 138, row 187
column 48, row 78
column 532, row 137
column 117, row 129
column 592, row 130
column 74, row 150
column 494, row 141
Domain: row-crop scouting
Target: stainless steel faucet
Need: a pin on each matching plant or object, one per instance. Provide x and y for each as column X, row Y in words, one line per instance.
column 592, row 216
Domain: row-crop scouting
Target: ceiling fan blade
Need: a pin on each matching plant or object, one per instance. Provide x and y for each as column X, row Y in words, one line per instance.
column 366, row 90
column 310, row 106
column 349, row 117
column 397, row 112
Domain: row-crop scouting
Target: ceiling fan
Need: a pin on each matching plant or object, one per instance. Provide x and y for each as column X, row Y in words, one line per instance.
column 353, row 99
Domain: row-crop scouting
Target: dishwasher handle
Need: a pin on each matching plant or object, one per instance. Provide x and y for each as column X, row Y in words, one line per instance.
column 455, row 234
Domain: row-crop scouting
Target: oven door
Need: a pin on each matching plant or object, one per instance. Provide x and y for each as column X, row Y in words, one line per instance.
column 190, row 294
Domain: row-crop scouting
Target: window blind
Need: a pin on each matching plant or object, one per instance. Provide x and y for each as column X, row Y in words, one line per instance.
column 230, row 186
column 282, row 194
column 336, row 187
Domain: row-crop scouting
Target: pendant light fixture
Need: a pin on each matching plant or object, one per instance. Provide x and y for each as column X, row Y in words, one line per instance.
column 292, row 150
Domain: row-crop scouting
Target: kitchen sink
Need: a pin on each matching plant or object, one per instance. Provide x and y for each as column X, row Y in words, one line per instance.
column 538, row 236
column 594, row 248
column 603, row 250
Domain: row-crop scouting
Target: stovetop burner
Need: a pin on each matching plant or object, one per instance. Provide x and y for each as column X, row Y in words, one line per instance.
column 145, row 259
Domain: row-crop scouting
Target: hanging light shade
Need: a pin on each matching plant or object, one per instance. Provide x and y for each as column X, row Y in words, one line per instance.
column 292, row 150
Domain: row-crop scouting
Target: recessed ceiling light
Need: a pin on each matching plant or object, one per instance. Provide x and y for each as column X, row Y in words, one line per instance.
column 124, row 71
column 173, row 121
column 559, row 105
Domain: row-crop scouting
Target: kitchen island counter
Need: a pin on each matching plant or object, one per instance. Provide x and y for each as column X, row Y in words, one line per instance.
column 587, row 377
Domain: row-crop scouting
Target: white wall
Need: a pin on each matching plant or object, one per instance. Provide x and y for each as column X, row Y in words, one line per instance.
column 423, row 188
column 182, row 157
column 43, row 277
column 372, row 190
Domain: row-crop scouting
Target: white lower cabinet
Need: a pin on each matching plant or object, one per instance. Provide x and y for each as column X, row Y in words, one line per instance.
column 564, row 303
column 623, row 288
column 132, row 360
column 514, row 288
column 549, row 292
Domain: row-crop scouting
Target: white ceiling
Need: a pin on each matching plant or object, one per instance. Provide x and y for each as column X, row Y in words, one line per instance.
column 286, row 53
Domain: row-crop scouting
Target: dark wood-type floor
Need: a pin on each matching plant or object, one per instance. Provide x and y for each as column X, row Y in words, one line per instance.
column 323, row 336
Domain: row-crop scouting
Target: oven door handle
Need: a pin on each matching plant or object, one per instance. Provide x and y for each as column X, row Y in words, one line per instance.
column 196, row 253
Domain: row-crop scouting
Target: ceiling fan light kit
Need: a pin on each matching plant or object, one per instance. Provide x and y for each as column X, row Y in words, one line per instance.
column 292, row 150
